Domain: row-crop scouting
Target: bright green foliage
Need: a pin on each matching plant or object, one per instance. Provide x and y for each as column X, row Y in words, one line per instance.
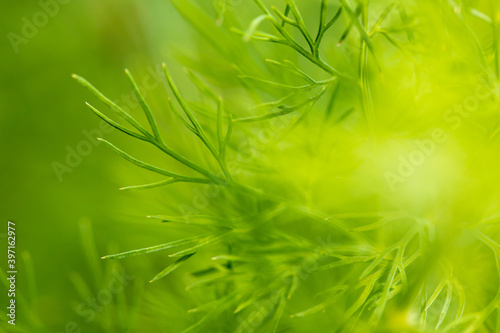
column 352, row 175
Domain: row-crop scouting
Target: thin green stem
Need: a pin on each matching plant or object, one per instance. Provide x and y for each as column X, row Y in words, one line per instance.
column 145, row 107
column 286, row 13
column 197, row 127
column 223, row 140
column 323, row 29
column 322, row 17
column 142, row 164
column 163, row 147
column 290, row 41
column 199, row 130
column 117, row 125
column 118, row 110
column 360, row 26
column 301, row 24
column 495, row 27
column 363, row 82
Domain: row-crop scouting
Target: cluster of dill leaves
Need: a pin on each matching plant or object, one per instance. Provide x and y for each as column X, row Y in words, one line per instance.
column 347, row 151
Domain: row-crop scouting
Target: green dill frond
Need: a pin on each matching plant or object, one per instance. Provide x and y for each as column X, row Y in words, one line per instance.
column 343, row 189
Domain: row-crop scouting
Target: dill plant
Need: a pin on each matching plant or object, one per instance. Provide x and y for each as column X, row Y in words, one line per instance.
column 305, row 231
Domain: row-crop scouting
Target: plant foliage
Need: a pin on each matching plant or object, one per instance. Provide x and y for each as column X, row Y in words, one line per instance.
column 309, row 228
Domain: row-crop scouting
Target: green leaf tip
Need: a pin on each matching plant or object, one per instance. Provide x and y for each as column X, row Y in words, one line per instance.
column 80, row 79
column 172, row 267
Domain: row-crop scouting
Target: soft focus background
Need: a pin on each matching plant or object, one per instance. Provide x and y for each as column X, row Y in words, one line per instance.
column 68, row 209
